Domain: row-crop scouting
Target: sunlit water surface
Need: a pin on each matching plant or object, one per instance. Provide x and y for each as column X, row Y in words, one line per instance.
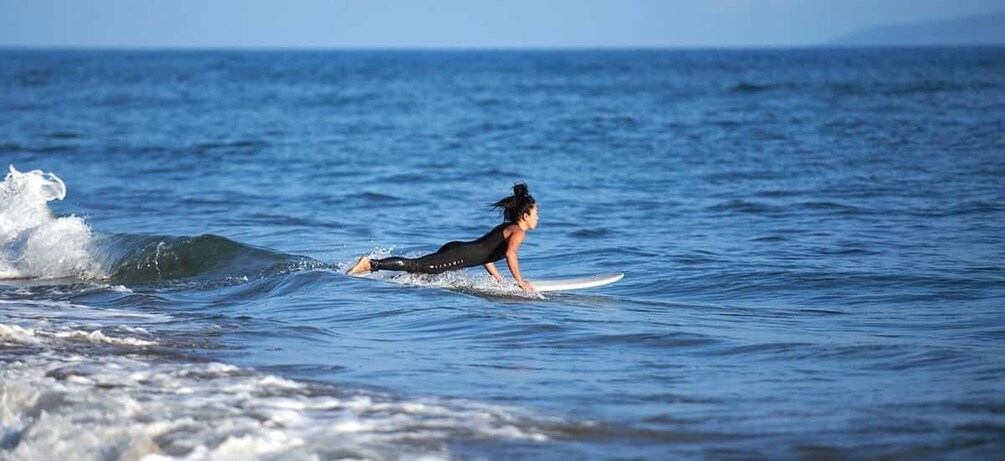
column 812, row 241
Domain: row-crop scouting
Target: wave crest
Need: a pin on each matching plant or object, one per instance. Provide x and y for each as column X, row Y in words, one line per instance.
column 36, row 245
column 134, row 258
column 33, row 242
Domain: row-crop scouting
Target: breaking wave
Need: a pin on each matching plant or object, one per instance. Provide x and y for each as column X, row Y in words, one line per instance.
column 36, row 244
column 33, row 242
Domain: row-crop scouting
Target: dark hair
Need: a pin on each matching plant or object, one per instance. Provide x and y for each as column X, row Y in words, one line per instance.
column 517, row 205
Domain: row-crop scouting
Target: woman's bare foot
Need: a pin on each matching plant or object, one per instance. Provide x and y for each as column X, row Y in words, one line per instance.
column 362, row 266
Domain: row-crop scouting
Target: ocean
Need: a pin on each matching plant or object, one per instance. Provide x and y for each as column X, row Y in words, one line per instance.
column 812, row 241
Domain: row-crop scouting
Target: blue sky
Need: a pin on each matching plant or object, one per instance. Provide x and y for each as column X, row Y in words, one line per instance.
column 457, row 23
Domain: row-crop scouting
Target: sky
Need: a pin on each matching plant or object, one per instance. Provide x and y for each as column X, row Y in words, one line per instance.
column 457, row 23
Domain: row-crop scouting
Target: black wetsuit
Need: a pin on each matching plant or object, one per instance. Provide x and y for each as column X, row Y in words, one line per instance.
column 490, row 247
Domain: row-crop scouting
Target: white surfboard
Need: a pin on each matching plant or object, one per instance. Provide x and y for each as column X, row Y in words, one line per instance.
column 575, row 283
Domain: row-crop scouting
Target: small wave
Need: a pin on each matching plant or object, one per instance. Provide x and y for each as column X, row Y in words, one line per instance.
column 50, row 309
column 36, row 245
column 846, row 251
column 906, row 88
column 590, row 233
column 340, row 99
column 97, row 337
column 135, row 258
column 760, row 350
column 406, row 178
column 496, row 173
column 973, row 207
column 18, row 334
column 668, row 340
column 239, row 144
column 22, row 335
column 750, row 87
column 61, row 325
column 831, row 206
column 35, row 77
column 741, row 175
column 11, row 147
column 769, row 239
column 744, row 206
column 170, row 410
column 375, row 197
column 924, row 87
column 63, row 135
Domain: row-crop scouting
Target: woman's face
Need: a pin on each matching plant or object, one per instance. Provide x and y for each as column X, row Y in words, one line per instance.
column 531, row 217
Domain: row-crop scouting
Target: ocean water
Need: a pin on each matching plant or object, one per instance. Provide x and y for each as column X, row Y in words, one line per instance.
column 813, row 242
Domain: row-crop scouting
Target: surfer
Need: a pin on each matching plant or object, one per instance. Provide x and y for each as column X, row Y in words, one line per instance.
column 520, row 215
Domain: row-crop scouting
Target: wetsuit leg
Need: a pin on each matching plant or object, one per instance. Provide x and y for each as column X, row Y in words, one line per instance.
column 451, row 256
column 393, row 264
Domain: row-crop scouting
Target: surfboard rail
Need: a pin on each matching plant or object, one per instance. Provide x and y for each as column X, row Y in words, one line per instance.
column 575, row 283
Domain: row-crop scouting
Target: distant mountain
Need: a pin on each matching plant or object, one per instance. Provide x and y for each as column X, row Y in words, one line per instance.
column 972, row 30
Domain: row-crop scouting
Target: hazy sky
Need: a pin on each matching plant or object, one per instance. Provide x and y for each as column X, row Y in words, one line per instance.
column 457, row 23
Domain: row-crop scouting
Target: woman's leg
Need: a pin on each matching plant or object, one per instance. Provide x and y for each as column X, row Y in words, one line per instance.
column 393, row 264
column 430, row 264
column 451, row 256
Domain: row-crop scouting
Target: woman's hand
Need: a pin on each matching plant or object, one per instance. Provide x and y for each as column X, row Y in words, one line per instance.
column 491, row 268
column 525, row 285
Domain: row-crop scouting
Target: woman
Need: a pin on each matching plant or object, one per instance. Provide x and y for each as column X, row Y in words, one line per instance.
column 520, row 213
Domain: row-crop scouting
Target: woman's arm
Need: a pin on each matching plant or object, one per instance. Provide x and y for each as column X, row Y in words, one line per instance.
column 513, row 245
column 491, row 268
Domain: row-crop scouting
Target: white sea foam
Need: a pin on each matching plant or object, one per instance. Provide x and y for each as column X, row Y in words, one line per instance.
column 98, row 337
column 466, row 282
column 64, row 323
column 57, row 406
column 34, row 243
column 62, row 400
column 18, row 334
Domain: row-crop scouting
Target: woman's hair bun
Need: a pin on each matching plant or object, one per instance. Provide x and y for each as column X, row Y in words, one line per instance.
column 517, row 205
column 520, row 190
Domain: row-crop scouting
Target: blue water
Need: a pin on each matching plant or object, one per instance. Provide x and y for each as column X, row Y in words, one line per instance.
column 813, row 242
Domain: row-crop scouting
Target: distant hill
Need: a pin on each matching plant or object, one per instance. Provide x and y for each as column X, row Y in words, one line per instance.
column 972, row 30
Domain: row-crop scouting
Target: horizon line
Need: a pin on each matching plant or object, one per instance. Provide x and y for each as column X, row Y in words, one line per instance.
column 24, row 47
